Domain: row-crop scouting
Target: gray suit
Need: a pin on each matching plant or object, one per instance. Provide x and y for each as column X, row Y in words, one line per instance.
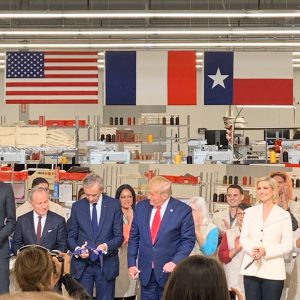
column 54, row 235
column 7, row 223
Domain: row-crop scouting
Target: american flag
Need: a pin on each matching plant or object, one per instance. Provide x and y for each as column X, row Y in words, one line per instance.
column 51, row 77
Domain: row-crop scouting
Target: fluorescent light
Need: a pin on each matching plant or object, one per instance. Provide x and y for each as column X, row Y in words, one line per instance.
column 149, row 31
column 100, row 53
column 199, row 60
column 100, row 60
column 199, row 53
column 100, row 66
column 157, row 45
column 133, row 14
column 296, row 65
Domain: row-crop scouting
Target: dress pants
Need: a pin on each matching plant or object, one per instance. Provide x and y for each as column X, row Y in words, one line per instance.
column 262, row 289
column 152, row 291
column 4, row 275
column 92, row 274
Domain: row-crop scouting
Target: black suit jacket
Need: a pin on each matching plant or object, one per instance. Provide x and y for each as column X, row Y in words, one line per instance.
column 54, row 233
column 7, row 217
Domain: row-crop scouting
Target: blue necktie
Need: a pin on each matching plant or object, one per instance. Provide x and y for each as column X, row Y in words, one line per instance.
column 94, row 220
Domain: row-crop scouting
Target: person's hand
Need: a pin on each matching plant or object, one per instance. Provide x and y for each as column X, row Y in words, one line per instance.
column 196, row 215
column 169, row 267
column 226, row 224
column 258, row 252
column 102, row 248
column 67, row 259
column 56, row 271
column 283, row 200
column 133, row 272
column 85, row 252
column 237, row 244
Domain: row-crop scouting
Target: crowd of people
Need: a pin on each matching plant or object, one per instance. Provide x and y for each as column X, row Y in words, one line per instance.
column 159, row 248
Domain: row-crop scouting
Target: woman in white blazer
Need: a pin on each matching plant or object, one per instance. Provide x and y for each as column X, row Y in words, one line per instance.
column 266, row 237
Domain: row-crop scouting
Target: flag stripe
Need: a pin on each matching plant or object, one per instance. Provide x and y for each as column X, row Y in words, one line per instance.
column 71, row 76
column 43, row 92
column 56, row 101
column 182, row 78
column 68, row 77
column 42, row 84
column 263, row 92
column 120, row 76
column 70, row 60
column 71, row 68
column 151, row 79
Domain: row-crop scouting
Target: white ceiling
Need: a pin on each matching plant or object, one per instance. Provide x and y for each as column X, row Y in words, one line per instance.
column 58, row 24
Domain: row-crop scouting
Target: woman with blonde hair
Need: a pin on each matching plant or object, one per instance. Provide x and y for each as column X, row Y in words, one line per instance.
column 205, row 231
column 266, row 237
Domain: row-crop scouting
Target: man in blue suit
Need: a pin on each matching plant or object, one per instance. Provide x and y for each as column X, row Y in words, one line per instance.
column 40, row 226
column 162, row 234
column 96, row 223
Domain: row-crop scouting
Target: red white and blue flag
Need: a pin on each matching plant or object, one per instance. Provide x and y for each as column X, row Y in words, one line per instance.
column 51, row 77
column 150, row 78
column 248, row 78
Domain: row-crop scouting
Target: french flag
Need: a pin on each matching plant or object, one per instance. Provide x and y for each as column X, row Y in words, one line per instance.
column 150, row 78
column 248, row 78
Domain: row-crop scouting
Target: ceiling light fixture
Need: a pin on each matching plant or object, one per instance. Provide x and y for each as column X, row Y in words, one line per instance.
column 169, row 31
column 140, row 14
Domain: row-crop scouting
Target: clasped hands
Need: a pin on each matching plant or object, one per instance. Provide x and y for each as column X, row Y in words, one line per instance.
column 84, row 250
column 258, row 252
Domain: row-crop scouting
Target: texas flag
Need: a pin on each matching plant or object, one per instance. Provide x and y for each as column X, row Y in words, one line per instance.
column 248, row 78
column 150, row 78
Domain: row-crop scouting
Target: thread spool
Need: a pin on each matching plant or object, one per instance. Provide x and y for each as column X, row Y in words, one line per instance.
column 221, row 198
column 285, row 156
column 149, row 138
column 230, row 179
column 116, row 121
column 272, row 157
column 215, row 197
column 247, row 141
column 177, row 120
column 297, row 183
column 236, row 180
column 177, row 159
column 102, row 137
column 225, row 179
column 113, row 138
column 121, row 121
column 172, row 120
column 189, row 159
column 250, row 180
column 111, row 121
column 245, row 180
column 108, row 138
column 164, row 121
column 129, row 121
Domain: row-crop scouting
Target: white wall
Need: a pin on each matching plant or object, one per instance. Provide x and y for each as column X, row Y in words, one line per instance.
column 210, row 117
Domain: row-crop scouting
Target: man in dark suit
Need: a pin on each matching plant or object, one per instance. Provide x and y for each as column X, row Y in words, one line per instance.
column 96, row 223
column 162, row 234
column 40, row 226
column 8, row 223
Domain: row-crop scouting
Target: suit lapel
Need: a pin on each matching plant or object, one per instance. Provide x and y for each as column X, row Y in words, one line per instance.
column 32, row 229
column 47, row 227
column 166, row 219
column 147, row 220
column 104, row 212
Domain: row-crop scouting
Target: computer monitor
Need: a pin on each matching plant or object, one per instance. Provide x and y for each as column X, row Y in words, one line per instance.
column 216, row 137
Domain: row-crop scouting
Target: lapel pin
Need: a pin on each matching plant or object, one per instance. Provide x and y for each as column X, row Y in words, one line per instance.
column 171, row 210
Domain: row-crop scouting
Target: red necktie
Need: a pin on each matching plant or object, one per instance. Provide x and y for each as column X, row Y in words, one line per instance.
column 39, row 229
column 155, row 224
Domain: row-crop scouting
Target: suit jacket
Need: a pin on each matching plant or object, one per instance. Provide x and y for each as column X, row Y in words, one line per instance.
column 174, row 241
column 110, row 231
column 275, row 235
column 53, row 237
column 7, row 217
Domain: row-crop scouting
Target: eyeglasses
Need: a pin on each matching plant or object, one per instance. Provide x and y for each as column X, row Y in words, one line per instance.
column 240, row 214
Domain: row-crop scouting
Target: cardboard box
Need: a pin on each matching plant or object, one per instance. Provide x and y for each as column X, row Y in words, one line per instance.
column 7, row 136
column 30, row 136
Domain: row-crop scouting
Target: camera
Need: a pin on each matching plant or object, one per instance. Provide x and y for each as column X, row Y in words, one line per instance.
column 56, row 253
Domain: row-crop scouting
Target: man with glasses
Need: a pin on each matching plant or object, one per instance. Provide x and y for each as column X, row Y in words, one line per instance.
column 54, row 207
column 225, row 219
column 95, row 232
column 8, row 223
column 40, row 226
